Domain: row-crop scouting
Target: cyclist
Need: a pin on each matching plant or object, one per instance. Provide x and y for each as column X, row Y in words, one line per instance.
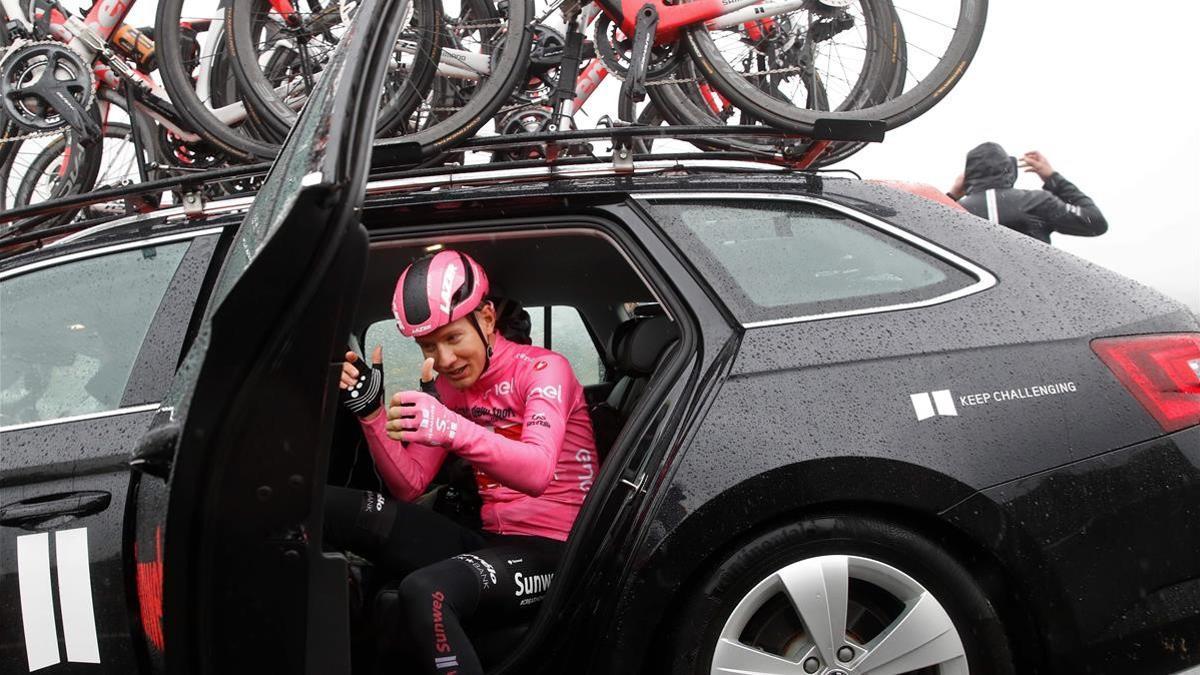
column 515, row 412
column 986, row 190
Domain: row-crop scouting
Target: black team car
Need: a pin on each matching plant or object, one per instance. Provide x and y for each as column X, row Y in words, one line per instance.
column 843, row 429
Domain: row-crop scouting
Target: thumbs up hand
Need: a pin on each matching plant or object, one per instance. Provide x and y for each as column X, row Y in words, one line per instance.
column 362, row 386
column 427, row 379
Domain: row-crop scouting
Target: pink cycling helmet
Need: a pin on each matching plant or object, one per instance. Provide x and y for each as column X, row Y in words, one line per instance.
column 437, row 290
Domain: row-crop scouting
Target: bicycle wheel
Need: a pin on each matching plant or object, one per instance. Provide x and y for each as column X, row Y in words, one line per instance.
column 687, row 99
column 485, row 56
column 831, row 43
column 117, row 167
column 278, row 58
column 191, row 63
column 75, row 174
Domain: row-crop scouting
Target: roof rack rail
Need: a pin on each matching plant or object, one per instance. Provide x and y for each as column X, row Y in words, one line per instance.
column 184, row 183
column 397, row 152
column 390, row 152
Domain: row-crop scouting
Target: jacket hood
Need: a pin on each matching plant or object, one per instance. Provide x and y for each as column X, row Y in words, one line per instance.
column 988, row 167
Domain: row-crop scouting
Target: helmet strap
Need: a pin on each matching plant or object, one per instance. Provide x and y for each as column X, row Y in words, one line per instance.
column 487, row 359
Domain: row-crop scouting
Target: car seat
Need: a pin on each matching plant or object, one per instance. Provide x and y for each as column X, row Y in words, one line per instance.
column 638, row 346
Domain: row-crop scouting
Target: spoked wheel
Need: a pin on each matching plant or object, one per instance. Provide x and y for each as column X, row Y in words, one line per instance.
column 687, row 98
column 775, row 67
column 73, row 173
column 838, row 595
column 196, row 69
column 485, row 56
column 280, row 56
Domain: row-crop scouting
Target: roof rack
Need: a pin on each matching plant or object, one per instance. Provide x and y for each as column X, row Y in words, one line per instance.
column 398, row 152
column 555, row 148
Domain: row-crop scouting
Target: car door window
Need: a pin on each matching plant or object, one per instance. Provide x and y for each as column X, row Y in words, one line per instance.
column 568, row 336
column 777, row 259
column 70, row 334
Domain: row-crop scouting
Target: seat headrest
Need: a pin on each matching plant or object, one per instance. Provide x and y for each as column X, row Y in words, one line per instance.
column 638, row 343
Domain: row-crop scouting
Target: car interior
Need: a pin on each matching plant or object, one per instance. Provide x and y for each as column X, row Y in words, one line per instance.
column 569, row 289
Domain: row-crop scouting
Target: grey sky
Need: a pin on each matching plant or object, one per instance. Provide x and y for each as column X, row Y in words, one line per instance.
column 1105, row 96
column 1103, row 93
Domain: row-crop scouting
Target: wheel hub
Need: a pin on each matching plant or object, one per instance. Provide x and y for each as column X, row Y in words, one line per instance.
column 844, row 614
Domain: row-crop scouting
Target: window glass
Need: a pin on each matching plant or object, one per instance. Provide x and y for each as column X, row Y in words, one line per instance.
column 785, row 259
column 69, row 334
column 569, row 336
column 402, row 357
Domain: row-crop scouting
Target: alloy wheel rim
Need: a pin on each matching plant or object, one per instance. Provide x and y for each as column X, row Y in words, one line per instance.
column 844, row 623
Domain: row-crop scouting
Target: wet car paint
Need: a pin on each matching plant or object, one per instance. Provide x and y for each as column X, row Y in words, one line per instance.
column 1109, row 545
column 818, row 415
column 65, row 459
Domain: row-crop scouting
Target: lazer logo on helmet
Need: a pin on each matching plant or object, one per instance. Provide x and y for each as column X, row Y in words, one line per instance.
column 448, row 286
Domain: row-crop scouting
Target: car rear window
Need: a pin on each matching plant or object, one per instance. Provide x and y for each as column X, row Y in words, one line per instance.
column 778, row 259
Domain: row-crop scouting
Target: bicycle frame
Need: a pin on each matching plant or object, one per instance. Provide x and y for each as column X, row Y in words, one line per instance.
column 86, row 38
column 715, row 14
column 674, row 19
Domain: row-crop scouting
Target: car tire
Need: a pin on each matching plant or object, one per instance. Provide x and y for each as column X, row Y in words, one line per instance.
column 743, row 617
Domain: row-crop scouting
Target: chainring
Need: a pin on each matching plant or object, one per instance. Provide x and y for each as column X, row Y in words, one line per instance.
column 531, row 119
column 613, row 47
column 27, row 89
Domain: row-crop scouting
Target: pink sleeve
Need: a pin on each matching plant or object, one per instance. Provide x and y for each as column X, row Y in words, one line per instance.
column 527, row 465
column 406, row 469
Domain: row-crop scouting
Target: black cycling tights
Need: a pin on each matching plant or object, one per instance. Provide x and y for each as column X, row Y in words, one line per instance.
column 449, row 572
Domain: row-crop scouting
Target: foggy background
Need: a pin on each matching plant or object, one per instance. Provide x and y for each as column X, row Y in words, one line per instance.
column 1105, row 91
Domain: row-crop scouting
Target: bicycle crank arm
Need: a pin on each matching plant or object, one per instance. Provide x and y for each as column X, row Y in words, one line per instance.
column 633, row 89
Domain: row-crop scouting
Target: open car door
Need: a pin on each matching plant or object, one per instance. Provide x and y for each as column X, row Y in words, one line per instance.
column 223, row 534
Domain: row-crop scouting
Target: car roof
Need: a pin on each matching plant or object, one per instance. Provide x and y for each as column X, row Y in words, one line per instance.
column 445, row 184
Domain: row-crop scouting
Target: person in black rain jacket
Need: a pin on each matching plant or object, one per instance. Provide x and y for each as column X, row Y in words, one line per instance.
column 986, row 190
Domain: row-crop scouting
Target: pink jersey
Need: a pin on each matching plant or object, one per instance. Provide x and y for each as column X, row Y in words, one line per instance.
column 534, row 470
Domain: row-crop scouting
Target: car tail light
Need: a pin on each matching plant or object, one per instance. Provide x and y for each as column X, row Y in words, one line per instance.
column 1162, row 372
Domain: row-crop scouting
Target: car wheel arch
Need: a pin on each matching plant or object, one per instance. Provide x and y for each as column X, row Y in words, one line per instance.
column 693, row 567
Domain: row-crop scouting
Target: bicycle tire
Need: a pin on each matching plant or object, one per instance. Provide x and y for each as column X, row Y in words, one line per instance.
column 181, row 89
column 8, row 130
column 81, row 178
column 510, row 59
column 53, row 151
column 683, row 102
column 243, row 22
column 893, row 112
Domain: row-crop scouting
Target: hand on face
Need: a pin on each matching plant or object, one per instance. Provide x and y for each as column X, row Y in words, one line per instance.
column 959, row 188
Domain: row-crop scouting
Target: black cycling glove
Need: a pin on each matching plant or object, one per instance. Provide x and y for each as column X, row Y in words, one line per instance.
column 429, row 388
column 366, row 396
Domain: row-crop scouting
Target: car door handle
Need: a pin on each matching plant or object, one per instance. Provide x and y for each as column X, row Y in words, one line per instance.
column 39, row 509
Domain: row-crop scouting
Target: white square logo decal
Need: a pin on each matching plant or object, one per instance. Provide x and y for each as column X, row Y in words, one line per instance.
column 931, row 404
